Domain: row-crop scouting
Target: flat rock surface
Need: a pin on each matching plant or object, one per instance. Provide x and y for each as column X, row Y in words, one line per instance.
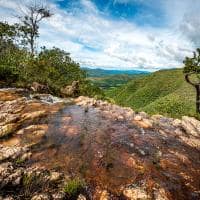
column 119, row 153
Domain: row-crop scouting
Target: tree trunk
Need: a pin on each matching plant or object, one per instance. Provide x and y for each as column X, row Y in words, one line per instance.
column 197, row 87
column 32, row 44
column 197, row 98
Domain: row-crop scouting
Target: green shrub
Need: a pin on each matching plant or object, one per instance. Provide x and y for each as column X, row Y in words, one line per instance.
column 51, row 67
column 73, row 187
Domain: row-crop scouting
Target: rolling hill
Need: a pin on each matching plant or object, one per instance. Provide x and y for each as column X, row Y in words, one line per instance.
column 107, row 79
column 112, row 81
column 162, row 92
column 102, row 72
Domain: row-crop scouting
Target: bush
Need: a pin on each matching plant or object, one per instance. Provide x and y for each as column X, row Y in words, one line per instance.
column 51, row 67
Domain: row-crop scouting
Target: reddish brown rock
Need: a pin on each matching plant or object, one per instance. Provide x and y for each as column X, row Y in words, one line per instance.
column 119, row 153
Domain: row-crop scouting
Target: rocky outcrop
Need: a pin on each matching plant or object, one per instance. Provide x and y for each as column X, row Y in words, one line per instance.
column 39, row 88
column 71, row 90
column 45, row 142
column 26, row 182
column 191, row 126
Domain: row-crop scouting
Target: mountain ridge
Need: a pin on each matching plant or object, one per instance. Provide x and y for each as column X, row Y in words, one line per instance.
column 98, row 72
column 165, row 92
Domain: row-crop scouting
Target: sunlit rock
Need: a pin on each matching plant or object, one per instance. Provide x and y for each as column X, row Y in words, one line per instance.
column 144, row 123
column 135, row 193
column 70, row 90
column 191, row 126
column 32, row 115
column 81, row 197
column 7, row 129
column 55, row 176
column 40, row 197
column 138, row 118
column 59, row 196
column 10, row 152
column 160, row 194
column 108, row 146
column 37, row 87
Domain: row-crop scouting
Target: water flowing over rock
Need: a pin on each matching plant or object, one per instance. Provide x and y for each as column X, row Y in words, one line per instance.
column 46, row 142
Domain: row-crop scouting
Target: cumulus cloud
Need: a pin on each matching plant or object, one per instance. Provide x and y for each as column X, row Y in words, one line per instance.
column 96, row 40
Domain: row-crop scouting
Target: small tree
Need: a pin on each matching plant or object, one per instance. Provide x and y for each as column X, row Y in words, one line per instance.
column 12, row 57
column 192, row 67
column 31, row 18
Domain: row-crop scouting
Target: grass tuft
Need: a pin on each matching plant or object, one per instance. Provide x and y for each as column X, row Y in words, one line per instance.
column 73, row 187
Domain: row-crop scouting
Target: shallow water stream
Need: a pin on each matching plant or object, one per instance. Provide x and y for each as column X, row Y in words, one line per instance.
column 109, row 150
column 85, row 142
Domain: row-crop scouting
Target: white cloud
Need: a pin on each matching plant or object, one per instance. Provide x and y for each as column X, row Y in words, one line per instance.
column 95, row 40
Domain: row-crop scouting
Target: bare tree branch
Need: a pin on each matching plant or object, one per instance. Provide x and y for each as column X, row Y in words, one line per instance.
column 187, row 78
column 31, row 19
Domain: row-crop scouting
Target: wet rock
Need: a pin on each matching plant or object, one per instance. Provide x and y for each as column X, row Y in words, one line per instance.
column 136, row 193
column 46, row 98
column 7, row 129
column 191, row 125
column 32, row 115
column 140, row 148
column 39, row 129
column 40, row 197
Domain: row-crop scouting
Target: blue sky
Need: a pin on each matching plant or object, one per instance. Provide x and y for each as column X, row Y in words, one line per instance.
column 118, row 34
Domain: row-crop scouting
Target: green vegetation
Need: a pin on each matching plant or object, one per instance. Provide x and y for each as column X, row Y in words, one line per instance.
column 51, row 67
column 33, row 183
column 107, row 79
column 109, row 72
column 73, row 187
column 163, row 92
column 111, row 81
column 21, row 65
column 19, row 161
column 192, row 71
